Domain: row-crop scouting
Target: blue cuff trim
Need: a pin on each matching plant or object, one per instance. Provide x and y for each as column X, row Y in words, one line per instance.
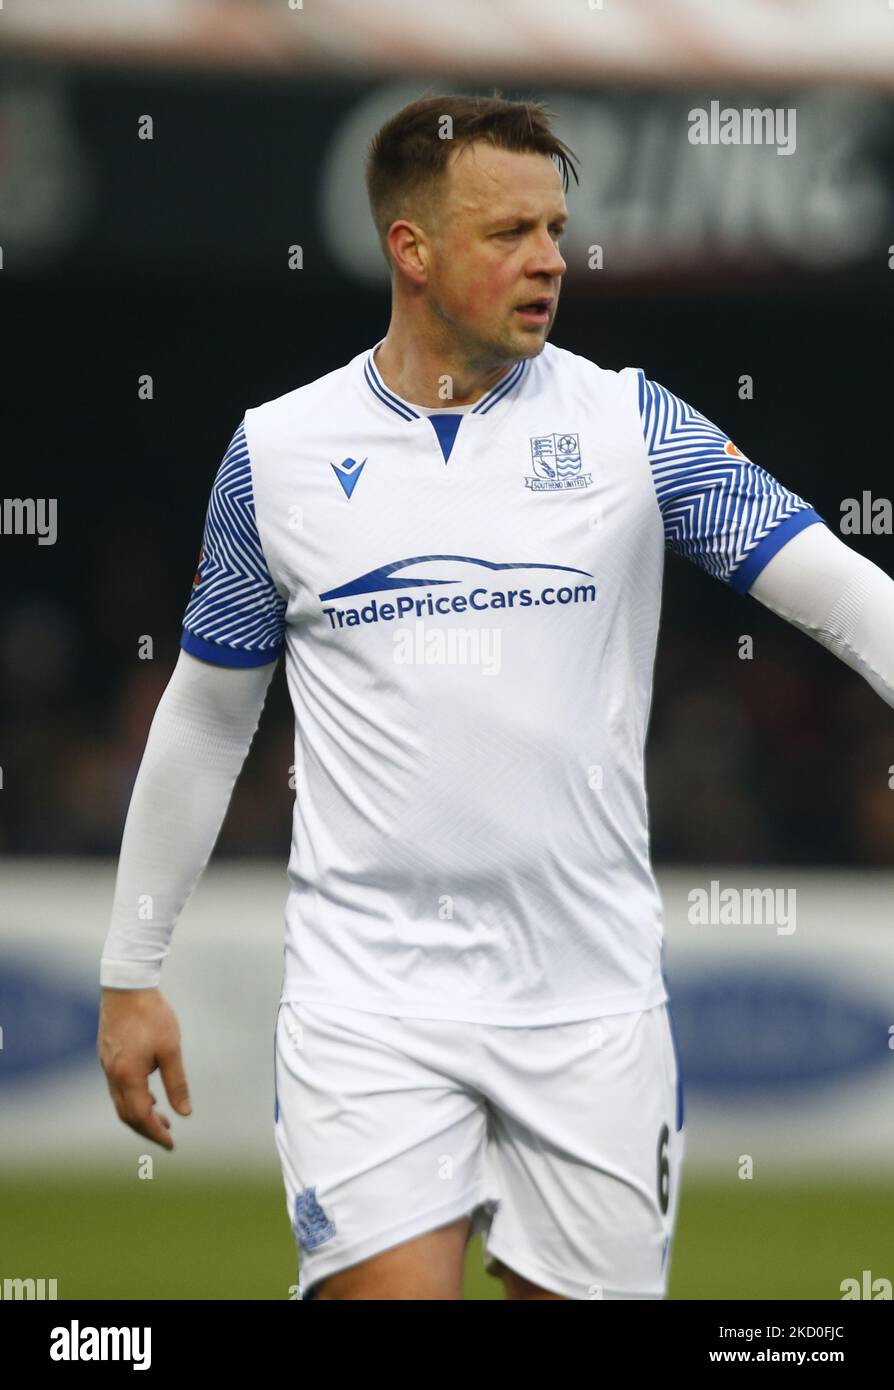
column 751, row 566
column 220, row 655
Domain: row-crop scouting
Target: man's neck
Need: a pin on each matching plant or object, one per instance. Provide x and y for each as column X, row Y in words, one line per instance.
column 431, row 379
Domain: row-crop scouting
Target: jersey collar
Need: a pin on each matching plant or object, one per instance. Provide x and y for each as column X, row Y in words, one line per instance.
column 497, row 397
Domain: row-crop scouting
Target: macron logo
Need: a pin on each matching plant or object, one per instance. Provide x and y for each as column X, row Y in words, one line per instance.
column 347, row 472
column 76, row 1343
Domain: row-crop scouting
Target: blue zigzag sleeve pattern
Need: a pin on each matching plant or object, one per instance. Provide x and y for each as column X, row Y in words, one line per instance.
column 720, row 510
column 234, row 616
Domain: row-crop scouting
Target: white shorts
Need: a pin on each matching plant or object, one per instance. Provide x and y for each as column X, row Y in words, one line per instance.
column 564, row 1143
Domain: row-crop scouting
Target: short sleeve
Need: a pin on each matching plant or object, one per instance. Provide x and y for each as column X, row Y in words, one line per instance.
column 235, row 616
column 719, row 509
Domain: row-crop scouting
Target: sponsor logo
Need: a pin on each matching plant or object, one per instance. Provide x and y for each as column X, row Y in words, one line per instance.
column 47, row 1024
column 391, row 578
column 762, row 1033
column 347, row 472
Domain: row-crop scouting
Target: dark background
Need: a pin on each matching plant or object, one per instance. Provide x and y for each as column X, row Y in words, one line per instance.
column 783, row 758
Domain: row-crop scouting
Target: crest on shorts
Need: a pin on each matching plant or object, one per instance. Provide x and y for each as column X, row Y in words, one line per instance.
column 311, row 1224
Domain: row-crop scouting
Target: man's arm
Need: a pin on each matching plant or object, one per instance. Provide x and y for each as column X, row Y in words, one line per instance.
column 838, row 597
column 198, row 741
column 233, row 635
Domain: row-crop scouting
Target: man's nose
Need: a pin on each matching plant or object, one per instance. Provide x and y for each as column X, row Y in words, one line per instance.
column 549, row 258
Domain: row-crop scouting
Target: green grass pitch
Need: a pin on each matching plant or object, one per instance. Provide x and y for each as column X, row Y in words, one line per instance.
column 179, row 1237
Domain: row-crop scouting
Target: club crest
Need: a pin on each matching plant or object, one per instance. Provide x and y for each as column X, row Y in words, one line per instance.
column 557, row 464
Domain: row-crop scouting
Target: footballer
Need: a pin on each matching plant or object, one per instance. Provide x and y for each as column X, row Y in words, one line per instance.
column 474, row 1031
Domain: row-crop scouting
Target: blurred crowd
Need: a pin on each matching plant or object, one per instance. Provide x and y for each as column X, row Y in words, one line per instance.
column 784, row 758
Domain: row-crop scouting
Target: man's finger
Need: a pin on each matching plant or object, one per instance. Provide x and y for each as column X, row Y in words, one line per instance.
column 164, row 1119
column 136, row 1108
column 170, row 1064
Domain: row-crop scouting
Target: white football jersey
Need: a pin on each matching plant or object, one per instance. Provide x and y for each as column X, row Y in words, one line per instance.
column 468, row 602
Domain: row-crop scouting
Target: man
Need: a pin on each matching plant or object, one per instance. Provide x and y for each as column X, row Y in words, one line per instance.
column 458, row 540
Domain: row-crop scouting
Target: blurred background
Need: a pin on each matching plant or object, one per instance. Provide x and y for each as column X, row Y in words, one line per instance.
column 159, row 164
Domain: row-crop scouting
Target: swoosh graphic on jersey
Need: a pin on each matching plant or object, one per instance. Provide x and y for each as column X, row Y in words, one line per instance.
column 375, row 581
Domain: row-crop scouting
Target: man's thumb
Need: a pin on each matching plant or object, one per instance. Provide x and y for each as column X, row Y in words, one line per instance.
column 174, row 1078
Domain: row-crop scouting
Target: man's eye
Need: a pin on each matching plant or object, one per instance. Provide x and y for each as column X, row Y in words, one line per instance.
column 557, row 232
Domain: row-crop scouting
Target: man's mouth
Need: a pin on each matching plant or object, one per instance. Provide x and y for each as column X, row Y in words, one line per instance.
column 536, row 310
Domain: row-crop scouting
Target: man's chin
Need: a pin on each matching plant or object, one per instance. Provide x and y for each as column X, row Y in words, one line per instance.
column 525, row 341
column 531, row 341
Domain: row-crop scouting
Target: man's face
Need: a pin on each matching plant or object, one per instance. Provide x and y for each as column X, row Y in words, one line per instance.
column 495, row 248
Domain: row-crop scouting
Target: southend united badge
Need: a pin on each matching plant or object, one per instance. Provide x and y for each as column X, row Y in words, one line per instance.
column 311, row 1224
column 557, row 464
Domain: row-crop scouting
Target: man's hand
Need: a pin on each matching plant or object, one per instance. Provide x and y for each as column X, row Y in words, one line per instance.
column 138, row 1031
